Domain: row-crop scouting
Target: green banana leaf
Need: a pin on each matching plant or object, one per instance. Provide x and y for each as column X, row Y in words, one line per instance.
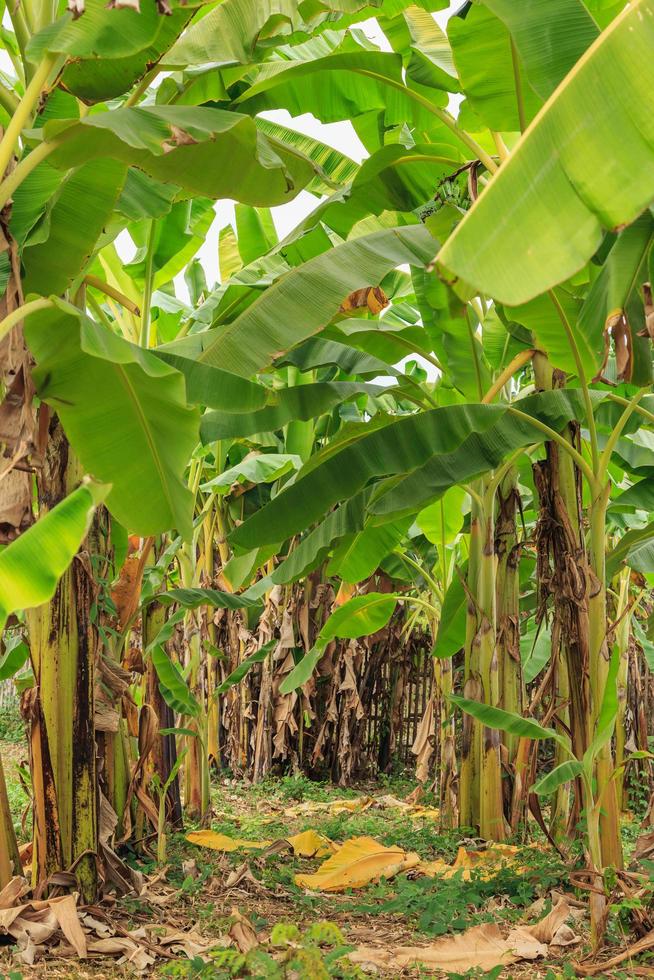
column 31, row 566
column 305, row 300
column 59, row 249
column 109, row 48
column 437, row 449
column 260, row 468
column 481, row 46
column 124, row 412
column 207, row 152
column 542, row 216
column 302, row 402
column 550, row 36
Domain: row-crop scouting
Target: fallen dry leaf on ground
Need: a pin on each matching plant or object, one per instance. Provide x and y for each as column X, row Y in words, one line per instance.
column 37, row 925
column 307, row 844
column 243, row 932
column 481, row 947
column 358, row 862
column 310, row 844
column 487, row 863
column 221, row 842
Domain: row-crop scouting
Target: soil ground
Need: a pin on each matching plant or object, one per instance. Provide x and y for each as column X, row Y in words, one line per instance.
column 206, row 890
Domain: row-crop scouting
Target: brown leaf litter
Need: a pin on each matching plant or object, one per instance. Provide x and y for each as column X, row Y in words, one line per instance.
column 481, row 947
column 60, row 927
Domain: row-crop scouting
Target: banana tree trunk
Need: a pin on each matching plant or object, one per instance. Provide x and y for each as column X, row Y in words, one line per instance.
column 9, row 857
column 508, row 603
column 470, row 742
column 447, row 745
column 609, row 822
column 63, row 640
column 563, row 575
column 491, row 811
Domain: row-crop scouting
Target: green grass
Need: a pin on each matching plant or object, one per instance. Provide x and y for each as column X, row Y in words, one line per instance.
column 12, row 728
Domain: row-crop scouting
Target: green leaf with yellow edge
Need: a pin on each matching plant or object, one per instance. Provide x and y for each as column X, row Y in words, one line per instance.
column 31, row 566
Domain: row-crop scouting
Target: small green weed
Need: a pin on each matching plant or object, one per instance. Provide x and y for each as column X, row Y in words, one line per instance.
column 317, row 954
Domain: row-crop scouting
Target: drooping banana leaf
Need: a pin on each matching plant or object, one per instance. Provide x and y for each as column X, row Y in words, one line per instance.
column 342, row 85
column 31, row 566
column 304, row 301
column 109, row 49
column 481, row 451
column 543, row 214
column 59, row 248
column 302, row 402
column 481, row 46
column 208, row 152
column 420, row 443
column 124, row 412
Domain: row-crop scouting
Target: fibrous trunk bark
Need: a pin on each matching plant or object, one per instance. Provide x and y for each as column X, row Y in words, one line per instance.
column 60, row 706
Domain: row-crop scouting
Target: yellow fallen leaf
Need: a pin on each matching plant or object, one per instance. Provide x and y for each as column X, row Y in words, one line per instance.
column 311, row 844
column 221, row 842
column 358, row 862
column 425, row 813
column 487, row 862
column 355, row 805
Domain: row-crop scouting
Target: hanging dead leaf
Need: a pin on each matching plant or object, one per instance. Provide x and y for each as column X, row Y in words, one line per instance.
column 371, row 297
column 126, row 593
column 356, row 863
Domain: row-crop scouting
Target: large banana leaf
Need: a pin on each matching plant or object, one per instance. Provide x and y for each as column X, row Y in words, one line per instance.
column 437, row 449
column 31, row 566
column 542, row 216
column 207, row 152
column 356, row 558
column 480, row 451
column 344, row 521
column 481, row 46
column 305, row 300
column 316, row 352
column 334, row 167
column 235, row 31
column 124, row 412
column 109, row 48
column 550, row 35
column 397, row 448
column 342, row 85
column 395, row 178
column 60, row 247
column 302, row 402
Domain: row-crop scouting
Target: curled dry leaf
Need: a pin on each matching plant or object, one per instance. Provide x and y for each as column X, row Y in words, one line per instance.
column 310, row 844
column 243, row 932
column 372, row 298
column 486, row 863
column 358, row 862
column 481, row 947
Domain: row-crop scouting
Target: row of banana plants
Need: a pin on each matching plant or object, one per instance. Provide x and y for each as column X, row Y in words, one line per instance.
column 205, row 481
